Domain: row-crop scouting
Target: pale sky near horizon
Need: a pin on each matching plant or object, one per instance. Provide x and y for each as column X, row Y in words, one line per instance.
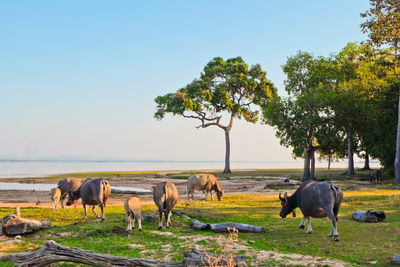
column 79, row 78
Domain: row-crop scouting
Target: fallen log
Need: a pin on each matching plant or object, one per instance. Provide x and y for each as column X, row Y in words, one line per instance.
column 53, row 252
column 223, row 227
column 371, row 216
column 13, row 224
column 131, row 191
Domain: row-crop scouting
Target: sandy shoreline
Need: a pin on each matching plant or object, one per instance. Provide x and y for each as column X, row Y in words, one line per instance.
column 31, row 198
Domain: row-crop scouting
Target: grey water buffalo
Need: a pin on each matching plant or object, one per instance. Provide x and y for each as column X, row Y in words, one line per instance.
column 68, row 185
column 315, row 199
column 376, row 175
column 204, row 182
column 133, row 212
column 92, row 192
column 55, row 197
column 165, row 196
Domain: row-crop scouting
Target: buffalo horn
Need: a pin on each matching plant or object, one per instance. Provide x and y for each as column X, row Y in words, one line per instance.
column 280, row 197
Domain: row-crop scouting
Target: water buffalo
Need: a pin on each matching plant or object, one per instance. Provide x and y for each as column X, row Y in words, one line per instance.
column 206, row 182
column 133, row 212
column 315, row 199
column 68, row 185
column 55, row 197
column 93, row 192
column 165, row 196
column 376, row 175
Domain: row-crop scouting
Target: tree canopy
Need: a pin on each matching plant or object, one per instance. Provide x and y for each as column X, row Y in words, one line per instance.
column 225, row 87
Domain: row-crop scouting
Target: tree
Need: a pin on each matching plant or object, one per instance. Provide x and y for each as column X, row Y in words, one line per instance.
column 383, row 28
column 363, row 79
column 303, row 120
column 224, row 88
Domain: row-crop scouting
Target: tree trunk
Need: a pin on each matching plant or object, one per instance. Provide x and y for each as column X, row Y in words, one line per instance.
column 366, row 162
column 306, row 169
column 397, row 159
column 329, row 162
column 350, row 168
column 312, row 174
column 227, row 152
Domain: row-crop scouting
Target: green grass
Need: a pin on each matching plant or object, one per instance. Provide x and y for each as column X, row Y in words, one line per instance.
column 360, row 244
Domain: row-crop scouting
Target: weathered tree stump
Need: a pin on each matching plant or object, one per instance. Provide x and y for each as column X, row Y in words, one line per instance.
column 396, row 259
column 223, row 227
column 371, row 216
column 53, row 252
column 13, row 224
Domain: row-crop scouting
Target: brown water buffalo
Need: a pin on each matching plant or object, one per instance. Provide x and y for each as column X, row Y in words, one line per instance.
column 204, row 182
column 68, row 185
column 376, row 176
column 133, row 212
column 315, row 199
column 165, row 196
column 93, row 192
column 55, row 197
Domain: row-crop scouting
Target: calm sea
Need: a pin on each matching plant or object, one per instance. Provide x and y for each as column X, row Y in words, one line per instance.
column 18, row 169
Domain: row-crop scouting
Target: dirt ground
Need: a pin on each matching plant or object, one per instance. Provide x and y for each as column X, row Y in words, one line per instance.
column 22, row 198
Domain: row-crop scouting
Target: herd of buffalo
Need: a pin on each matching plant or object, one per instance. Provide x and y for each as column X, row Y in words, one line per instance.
column 315, row 199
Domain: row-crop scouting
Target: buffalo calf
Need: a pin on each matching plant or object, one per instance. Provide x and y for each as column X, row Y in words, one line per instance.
column 133, row 212
column 55, row 197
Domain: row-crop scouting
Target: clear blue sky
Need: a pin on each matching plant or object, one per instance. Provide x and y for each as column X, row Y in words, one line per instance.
column 80, row 77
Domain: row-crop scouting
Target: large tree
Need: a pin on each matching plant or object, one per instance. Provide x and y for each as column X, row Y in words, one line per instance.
column 225, row 88
column 383, row 28
column 362, row 81
column 303, row 120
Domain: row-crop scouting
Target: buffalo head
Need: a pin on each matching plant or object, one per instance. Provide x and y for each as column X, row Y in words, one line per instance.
column 220, row 194
column 286, row 207
column 73, row 196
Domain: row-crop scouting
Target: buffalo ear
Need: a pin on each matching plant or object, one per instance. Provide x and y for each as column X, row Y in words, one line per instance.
column 285, row 196
column 294, row 214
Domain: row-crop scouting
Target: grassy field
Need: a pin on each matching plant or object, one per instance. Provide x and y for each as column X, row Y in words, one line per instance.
column 360, row 243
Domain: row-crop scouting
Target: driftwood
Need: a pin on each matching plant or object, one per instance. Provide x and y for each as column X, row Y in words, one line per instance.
column 13, row 224
column 131, row 191
column 223, row 227
column 53, row 252
column 371, row 216
column 283, row 181
column 396, row 259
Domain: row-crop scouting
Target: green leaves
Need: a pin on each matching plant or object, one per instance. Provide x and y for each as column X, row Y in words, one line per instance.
column 224, row 86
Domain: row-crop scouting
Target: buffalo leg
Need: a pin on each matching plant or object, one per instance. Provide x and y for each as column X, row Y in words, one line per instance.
column 84, row 208
column 62, row 201
column 212, row 198
column 139, row 220
column 309, row 229
column 132, row 219
column 334, row 231
column 94, row 211
column 301, row 225
column 168, row 218
column 102, row 211
column 160, row 212
column 206, row 195
column 128, row 222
